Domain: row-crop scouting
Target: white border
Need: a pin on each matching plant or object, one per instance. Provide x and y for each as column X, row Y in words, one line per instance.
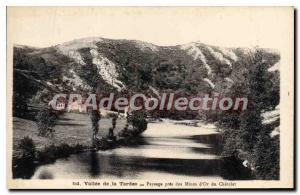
column 5, row 3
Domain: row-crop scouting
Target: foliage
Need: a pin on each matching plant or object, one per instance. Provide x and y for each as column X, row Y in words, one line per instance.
column 95, row 118
column 266, row 156
column 52, row 152
column 45, row 120
column 138, row 121
column 20, row 107
column 27, row 148
column 243, row 130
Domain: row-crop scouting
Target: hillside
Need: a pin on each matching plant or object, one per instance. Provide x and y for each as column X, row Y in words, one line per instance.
column 124, row 66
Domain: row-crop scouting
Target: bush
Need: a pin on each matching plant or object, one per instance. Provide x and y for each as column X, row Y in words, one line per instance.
column 53, row 152
column 27, row 148
column 243, row 131
column 138, row 121
column 125, row 132
column 266, row 155
column 45, row 120
column 20, row 108
column 24, row 165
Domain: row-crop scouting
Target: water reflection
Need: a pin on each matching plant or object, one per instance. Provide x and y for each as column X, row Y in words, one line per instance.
column 45, row 174
column 95, row 165
column 177, row 152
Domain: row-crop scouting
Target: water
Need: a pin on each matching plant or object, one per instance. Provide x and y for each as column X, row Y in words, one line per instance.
column 165, row 150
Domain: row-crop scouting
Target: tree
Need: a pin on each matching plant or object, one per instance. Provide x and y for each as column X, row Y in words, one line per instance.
column 138, row 121
column 27, row 148
column 266, row 156
column 46, row 120
column 95, row 118
column 243, row 130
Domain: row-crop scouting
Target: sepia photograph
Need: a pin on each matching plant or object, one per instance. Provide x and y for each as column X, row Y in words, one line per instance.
column 150, row 97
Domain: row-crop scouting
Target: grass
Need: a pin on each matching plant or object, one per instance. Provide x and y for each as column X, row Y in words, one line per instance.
column 72, row 129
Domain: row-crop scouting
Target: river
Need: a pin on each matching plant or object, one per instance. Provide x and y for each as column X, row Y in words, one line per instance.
column 166, row 150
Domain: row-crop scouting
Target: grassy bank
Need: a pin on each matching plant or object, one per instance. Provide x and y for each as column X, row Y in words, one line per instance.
column 72, row 128
column 72, row 135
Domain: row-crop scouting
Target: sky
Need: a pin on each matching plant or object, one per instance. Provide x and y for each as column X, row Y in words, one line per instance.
column 227, row 27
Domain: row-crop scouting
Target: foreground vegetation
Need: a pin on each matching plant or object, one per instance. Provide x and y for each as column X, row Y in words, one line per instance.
column 31, row 149
column 245, row 134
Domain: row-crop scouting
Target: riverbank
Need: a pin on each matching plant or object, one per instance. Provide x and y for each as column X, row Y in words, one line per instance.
column 164, row 150
column 165, row 144
column 72, row 135
column 72, row 128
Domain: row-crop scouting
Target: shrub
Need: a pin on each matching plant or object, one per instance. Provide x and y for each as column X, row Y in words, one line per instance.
column 266, row 155
column 20, row 108
column 125, row 132
column 27, row 148
column 138, row 121
column 53, row 152
column 24, row 165
column 45, row 120
column 244, row 132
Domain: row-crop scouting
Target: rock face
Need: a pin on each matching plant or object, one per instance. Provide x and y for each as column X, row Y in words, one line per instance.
column 85, row 64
